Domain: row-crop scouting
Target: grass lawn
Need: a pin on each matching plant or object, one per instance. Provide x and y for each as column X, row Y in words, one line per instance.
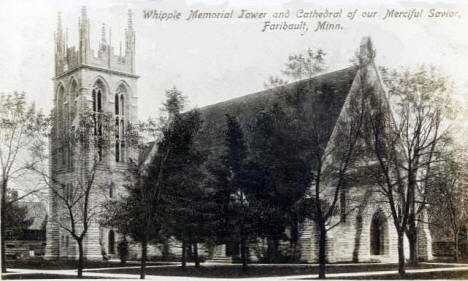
column 43, row 276
column 43, row 264
column 235, row 271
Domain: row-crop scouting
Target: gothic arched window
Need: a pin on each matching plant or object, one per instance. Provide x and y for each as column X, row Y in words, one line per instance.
column 120, row 123
column 378, row 235
column 59, row 107
column 97, row 95
column 61, row 121
column 73, row 99
column 117, row 104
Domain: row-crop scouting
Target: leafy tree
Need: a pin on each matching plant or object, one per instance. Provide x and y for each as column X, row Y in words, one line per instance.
column 165, row 196
column 281, row 147
column 235, row 191
column 282, row 171
column 123, row 250
column 21, row 127
column 448, row 196
column 16, row 219
column 136, row 213
column 183, row 180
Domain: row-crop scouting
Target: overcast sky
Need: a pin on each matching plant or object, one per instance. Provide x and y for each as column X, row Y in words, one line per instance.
column 214, row 60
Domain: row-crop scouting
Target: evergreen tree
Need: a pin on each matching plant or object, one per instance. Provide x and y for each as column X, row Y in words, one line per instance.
column 16, row 219
column 187, row 200
column 233, row 179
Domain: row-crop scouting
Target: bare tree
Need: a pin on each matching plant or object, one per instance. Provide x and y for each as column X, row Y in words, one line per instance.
column 21, row 127
column 384, row 142
column 420, row 99
column 403, row 140
column 77, row 154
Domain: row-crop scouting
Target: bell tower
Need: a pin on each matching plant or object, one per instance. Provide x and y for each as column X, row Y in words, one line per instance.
column 105, row 83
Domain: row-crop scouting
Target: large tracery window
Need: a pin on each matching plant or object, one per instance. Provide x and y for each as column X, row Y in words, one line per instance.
column 120, row 96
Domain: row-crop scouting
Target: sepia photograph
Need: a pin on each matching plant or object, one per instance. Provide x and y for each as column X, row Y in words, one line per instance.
column 234, row 139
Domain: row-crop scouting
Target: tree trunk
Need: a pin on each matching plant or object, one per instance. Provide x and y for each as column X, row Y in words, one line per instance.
column 412, row 231
column 165, row 252
column 80, row 258
column 144, row 250
column 244, row 254
column 275, row 248
column 457, row 246
column 412, row 234
column 401, row 255
column 2, row 226
column 322, row 250
column 195, row 255
column 184, row 257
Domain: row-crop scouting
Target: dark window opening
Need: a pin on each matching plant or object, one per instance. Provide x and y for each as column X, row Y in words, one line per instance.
column 116, row 104
column 111, row 242
column 117, row 151
column 378, row 227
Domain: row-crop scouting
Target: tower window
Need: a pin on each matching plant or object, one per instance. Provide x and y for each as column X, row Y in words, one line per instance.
column 97, row 110
column 117, row 151
column 120, row 123
column 122, row 104
column 62, row 117
column 73, row 101
column 97, row 94
column 116, row 104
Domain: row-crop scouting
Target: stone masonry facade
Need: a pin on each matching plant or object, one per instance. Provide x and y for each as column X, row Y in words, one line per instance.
column 107, row 82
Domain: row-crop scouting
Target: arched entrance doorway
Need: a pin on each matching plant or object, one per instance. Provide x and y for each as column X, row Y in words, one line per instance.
column 378, row 234
column 111, row 242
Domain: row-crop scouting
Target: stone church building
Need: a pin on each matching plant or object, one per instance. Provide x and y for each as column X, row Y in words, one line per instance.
column 105, row 82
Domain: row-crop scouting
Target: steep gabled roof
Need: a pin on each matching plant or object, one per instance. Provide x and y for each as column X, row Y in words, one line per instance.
column 328, row 93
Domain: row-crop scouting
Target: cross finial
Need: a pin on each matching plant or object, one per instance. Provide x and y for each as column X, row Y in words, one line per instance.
column 366, row 50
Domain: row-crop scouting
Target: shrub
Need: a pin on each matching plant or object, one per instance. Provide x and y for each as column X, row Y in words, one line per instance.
column 122, row 247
